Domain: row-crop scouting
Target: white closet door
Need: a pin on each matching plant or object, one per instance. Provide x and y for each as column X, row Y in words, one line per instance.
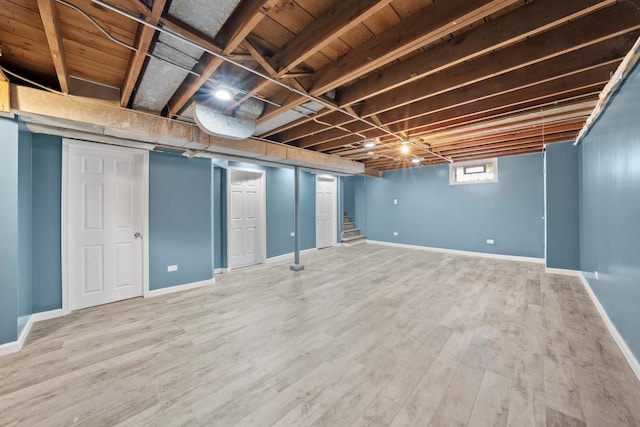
column 325, row 212
column 104, row 216
column 245, row 224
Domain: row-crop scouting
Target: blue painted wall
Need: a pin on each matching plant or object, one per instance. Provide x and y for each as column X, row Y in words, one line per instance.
column 563, row 206
column 8, row 231
column 25, row 303
column 430, row 212
column 179, row 220
column 46, row 233
column 349, row 196
column 610, row 210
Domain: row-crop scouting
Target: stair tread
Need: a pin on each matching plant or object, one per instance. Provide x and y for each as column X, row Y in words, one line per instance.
column 350, row 238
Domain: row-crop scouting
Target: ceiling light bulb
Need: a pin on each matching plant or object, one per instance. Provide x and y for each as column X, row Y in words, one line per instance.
column 404, row 149
column 369, row 144
column 416, row 161
column 223, row 94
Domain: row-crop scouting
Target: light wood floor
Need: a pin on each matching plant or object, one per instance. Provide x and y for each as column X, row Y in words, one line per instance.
column 365, row 336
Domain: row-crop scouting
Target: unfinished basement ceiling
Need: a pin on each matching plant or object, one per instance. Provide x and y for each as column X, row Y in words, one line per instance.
column 161, row 79
column 456, row 80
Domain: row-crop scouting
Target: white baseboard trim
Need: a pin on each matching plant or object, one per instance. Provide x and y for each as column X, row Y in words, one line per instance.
column 458, row 252
column 289, row 255
column 220, row 271
column 563, row 271
column 15, row 346
column 624, row 348
column 46, row 315
column 180, row 288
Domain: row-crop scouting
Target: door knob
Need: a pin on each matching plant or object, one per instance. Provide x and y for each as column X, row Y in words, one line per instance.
column 137, row 235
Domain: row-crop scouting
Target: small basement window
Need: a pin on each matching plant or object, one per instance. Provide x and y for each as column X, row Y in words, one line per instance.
column 474, row 172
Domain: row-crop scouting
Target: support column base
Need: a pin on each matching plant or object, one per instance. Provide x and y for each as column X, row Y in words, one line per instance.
column 296, row 267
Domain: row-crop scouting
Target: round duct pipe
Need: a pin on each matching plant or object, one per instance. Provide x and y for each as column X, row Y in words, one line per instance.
column 218, row 124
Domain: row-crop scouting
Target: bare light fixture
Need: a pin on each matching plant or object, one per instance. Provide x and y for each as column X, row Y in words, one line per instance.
column 416, row 161
column 223, row 94
column 405, row 149
column 369, row 144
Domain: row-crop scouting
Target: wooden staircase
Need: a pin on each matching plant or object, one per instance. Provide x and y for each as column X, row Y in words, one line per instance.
column 350, row 234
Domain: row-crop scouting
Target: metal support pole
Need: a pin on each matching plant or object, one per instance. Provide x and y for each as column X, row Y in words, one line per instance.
column 296, row 264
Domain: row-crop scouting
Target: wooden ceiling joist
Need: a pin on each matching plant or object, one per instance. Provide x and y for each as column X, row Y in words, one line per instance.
column 341, row 17
column 143, row 43
column 424, row 27
column 524, row 22
column 474, row 98
column 539, row 50
column 51, row 22
column 242, row 21
column 467, row 78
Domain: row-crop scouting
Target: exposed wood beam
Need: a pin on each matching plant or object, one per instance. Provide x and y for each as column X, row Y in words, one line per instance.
column 341, row 17
column 574, row 37
column 111, row 120
column 51, row 22
column 5, row 96
column 372, row 172
column 516, row 26
column 516, row 135
column 511, row 144
column 426, row 26
column 256, row 84
column 572, row 63
column 141, row 8
column 592, row 29
column 244, row 19
column 533, row 18
column 143, row 43
column 185, row 30
column 474, row 99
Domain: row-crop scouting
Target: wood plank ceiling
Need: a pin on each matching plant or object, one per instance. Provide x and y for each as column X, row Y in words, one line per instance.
column 458, row 79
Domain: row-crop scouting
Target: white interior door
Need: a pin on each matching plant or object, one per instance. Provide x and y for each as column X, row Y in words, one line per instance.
column 245, row 218
column 104, row 224
column 325, row 211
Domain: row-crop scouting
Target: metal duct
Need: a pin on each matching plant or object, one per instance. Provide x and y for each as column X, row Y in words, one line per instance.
column 160, row 80
column 218, row 124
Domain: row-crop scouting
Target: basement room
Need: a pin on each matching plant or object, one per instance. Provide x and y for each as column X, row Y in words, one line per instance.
column 320, row 213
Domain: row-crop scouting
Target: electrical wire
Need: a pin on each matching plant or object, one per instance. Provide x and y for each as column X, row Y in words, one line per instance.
column 41, row 86
column 246, row 68
column 133, row 49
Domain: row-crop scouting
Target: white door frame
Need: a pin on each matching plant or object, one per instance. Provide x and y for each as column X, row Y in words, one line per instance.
column 66, row 143
column 263, row 212
column 334, row 222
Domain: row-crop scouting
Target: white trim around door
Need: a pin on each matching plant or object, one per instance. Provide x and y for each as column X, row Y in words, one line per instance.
column 67, row 146
column 323, row 241
column 262, row 212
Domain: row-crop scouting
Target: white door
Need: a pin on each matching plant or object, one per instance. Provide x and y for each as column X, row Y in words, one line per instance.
column 245, row 218
column 104, row 216
column 326, row 221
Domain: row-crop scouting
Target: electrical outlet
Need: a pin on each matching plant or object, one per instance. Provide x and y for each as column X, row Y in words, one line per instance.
column 395, row 201
column 172, row 268
column 490, row 241
column 293, row 234
column 395, row 233
column 597, row 275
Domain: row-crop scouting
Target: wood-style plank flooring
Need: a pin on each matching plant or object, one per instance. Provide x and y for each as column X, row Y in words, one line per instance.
column 364, row 336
